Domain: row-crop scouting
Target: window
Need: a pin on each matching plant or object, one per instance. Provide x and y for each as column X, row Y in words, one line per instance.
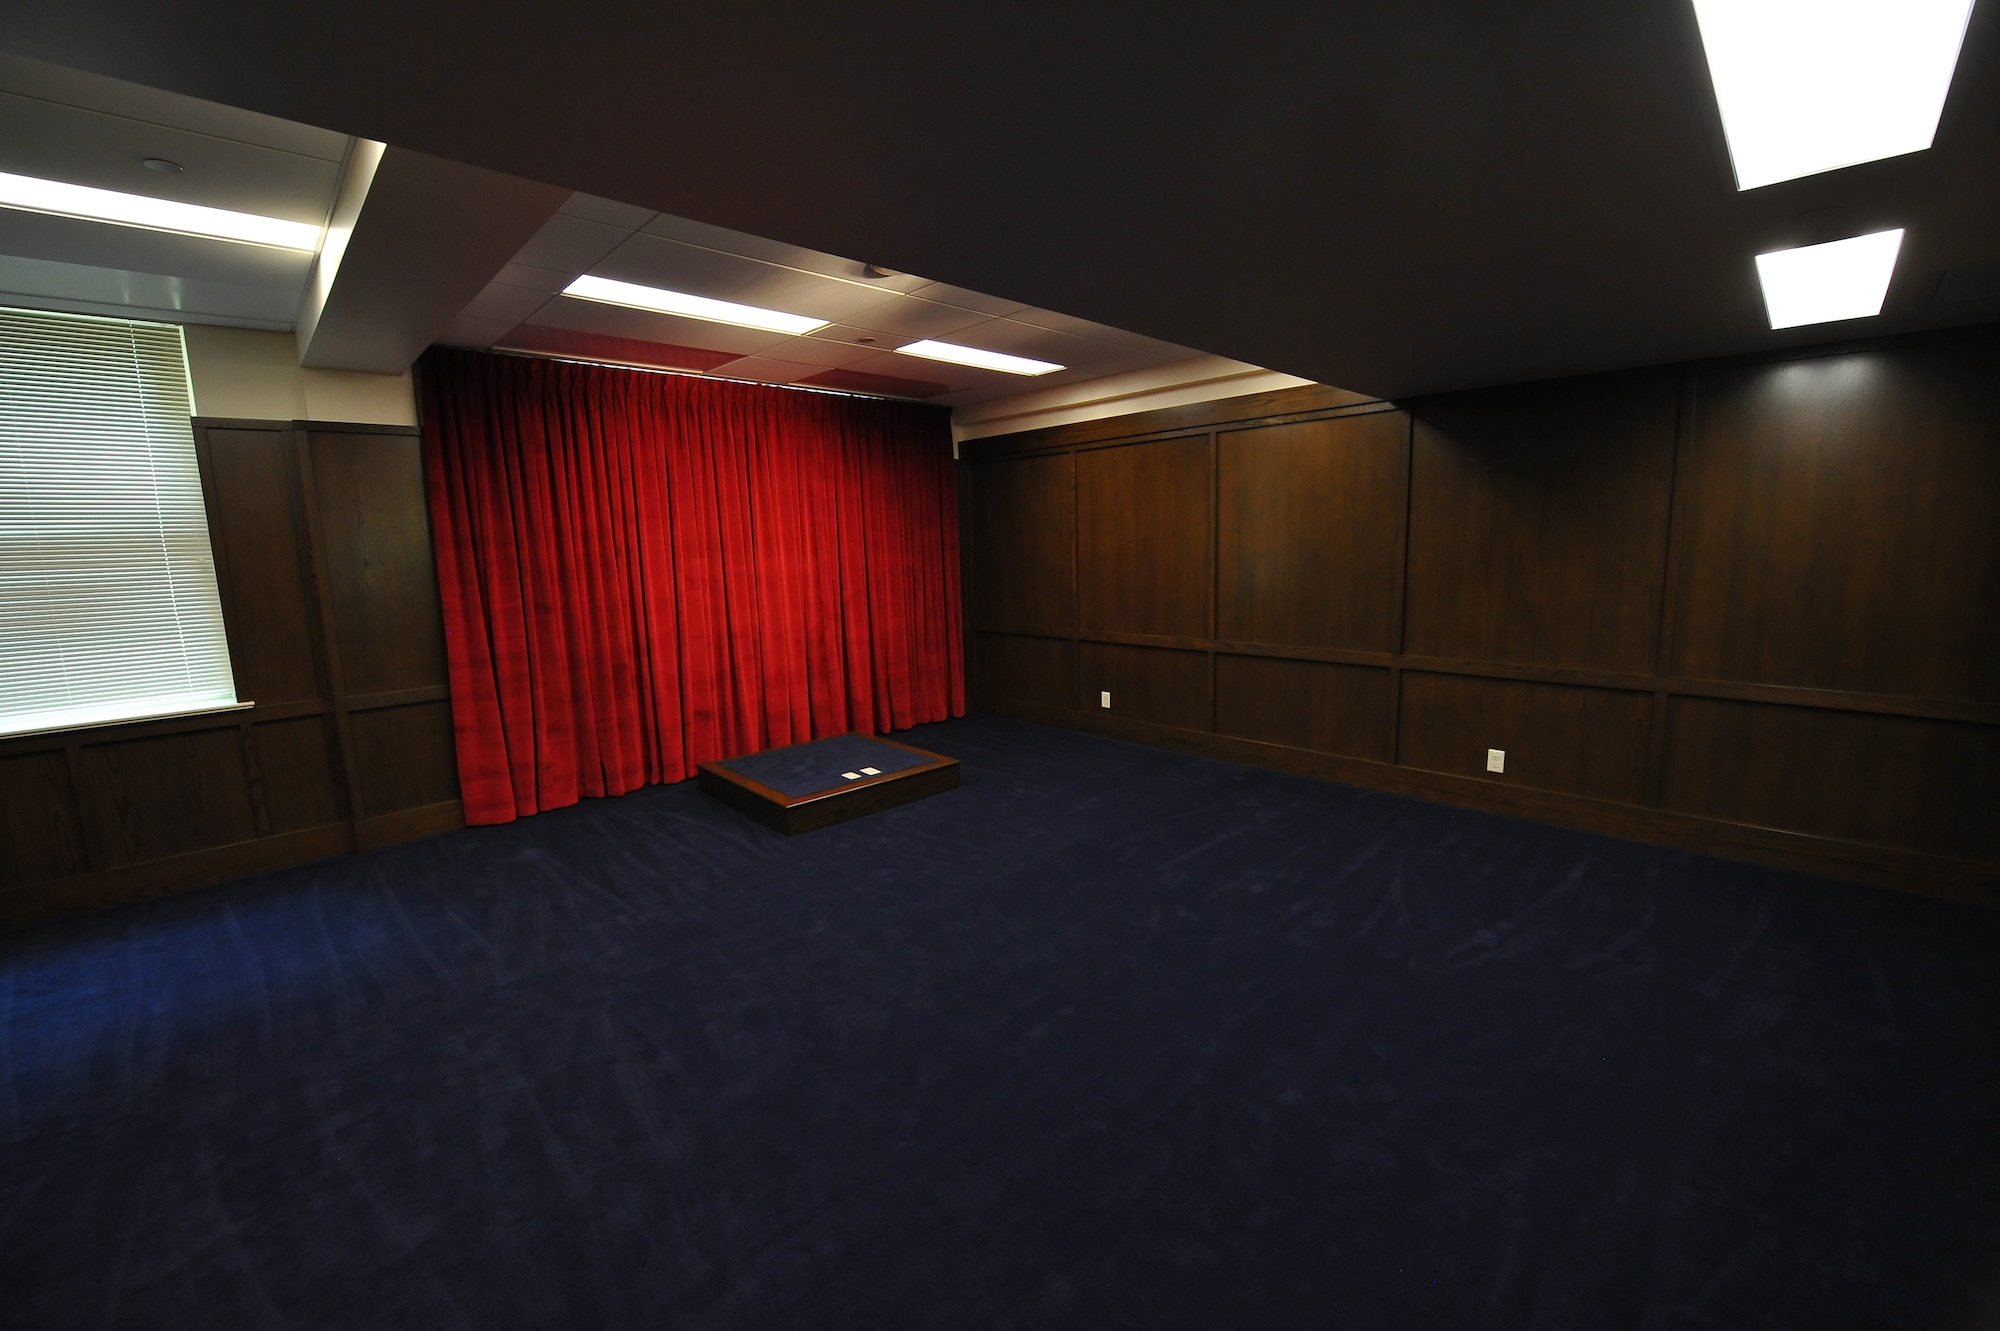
column 108, row 604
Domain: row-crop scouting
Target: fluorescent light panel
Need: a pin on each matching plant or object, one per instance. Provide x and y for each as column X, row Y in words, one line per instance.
column 692, row 307
column 1806, row 86
column 978, row 358
column 137, row 210
column 1842, row 279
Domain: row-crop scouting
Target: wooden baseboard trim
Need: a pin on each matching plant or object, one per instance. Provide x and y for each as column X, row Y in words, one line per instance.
column 219, row 864
column 388, row 829
column 178, row 873
column 1883, row 866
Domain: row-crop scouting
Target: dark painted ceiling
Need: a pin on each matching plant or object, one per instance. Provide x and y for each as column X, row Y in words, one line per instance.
column 1391, row 198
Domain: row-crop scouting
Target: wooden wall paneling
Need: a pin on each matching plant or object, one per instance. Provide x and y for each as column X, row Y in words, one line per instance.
column 1022, row 542
column 1310, row 539
column 300, row 783
column 1034, row 670
column 1921, row 785
column 41, row 834
column 352, row 804
column 1143, row 560
column 1538, row 522
column 404, row 757
column 375, row 539
column 1557, row 737
column 165, row 795
column 255, row 523
column 1841, row 523
column 253, row 777
column 1166, row 686
column 318, row 532
column 1315, row 705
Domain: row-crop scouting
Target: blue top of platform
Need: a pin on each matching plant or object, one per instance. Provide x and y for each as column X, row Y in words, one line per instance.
column 807, row 769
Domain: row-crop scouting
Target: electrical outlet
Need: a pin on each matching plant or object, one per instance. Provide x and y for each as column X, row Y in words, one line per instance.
column 1104, row 698
column 1496, row 760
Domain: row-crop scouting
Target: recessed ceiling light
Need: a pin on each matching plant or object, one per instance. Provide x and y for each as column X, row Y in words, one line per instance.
column 693, row 307
column 187, row 219
column 978, row 359
column 1842, row 279
column 162, row 165
column 1806, row 86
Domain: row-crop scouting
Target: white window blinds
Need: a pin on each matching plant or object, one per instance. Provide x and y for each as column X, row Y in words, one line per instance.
column 108, row 606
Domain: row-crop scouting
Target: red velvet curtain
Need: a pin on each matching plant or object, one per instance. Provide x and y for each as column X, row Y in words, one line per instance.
column 641, row 572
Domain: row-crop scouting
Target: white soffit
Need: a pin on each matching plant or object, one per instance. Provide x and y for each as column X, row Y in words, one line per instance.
column 870, row 312
column 83, row 129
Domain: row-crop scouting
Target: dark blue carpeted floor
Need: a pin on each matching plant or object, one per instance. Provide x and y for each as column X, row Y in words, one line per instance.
column 1111, row 1037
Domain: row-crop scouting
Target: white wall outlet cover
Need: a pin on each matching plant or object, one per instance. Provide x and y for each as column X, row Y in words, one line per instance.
column 1496, row 760
column 1104, row 698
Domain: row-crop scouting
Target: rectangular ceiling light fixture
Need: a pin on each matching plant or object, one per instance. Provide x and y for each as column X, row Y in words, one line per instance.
column 1806, row 86
column 35, row 195
column 660, row 301
column 1842, row 279
column 978, row 359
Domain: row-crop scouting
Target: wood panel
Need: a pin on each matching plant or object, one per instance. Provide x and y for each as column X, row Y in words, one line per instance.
column 1578, row 741
column 264, row 577
column 1156, row 684
column 1538, row 523
column 296, row 758
column 381, row 574
column 1022, row 521
column 1314, row 705
column 404, row 757
column 1746, row 606
column 1840, row 524
column 1884, row 780
column 320, row 536
column 167, row 795
column 1031, row 670
column 1143, row 531
column 41, row 836
column 1309, row 521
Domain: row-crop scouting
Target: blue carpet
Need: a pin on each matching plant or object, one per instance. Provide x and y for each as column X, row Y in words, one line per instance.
column 1110, row 1037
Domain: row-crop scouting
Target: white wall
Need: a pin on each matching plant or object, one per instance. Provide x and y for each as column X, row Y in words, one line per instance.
column 254, row 375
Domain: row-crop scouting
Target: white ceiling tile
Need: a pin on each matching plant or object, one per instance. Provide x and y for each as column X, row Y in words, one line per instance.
column 469, row 330
column 971, row 300
column 823, row 352
column 1118, row 337
column 83, row 147
column 610, row 212
column 570, row 244
column 766, row 371
column 909, row 318
column 514, row 304
column 936, row 372
column 537, row 279
column 654, row 261
column 588, row 316
column 1076, row 353
column 701, row 234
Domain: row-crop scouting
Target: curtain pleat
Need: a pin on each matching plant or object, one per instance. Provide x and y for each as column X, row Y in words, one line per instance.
column 643, row 572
